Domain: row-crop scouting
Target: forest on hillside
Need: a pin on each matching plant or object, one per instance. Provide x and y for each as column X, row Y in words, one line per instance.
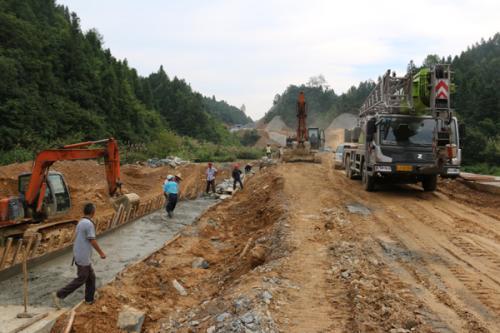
column 59, row 84
column 322, row 102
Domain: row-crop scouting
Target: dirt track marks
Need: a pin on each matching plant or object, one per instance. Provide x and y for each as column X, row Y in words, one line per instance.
column 449, row 252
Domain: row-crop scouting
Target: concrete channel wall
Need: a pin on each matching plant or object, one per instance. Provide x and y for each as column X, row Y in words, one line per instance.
column 15, row 250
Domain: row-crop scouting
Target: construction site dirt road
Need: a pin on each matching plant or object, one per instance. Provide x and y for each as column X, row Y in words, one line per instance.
column 304, row 249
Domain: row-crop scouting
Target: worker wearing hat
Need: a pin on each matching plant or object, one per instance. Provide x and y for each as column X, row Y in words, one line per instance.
column 171, row 191
column 178, row 178
column 211, row 172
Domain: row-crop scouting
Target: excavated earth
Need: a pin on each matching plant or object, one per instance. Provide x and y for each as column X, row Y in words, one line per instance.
column 304, row 249
column 87, row 183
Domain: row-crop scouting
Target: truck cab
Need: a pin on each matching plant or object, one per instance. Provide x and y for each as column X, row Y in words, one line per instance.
column 400, row 149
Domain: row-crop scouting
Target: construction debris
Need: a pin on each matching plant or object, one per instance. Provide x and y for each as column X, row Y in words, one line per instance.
column 180, row 289
column 172, row 161
column 130, row 319
column 200, row 262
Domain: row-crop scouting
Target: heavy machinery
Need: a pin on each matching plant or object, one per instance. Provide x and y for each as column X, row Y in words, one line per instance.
column 299, row 148
column 407, row 131
column 44, row 195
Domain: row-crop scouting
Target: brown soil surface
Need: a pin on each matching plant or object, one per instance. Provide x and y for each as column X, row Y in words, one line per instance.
column 87, row 181
column 304, row 249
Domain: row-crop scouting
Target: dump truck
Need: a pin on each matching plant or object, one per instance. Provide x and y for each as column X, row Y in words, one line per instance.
column 301, row 148
column 44, row 196
column 407, row 131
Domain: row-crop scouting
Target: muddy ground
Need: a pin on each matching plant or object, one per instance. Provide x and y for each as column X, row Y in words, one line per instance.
column 304, row 249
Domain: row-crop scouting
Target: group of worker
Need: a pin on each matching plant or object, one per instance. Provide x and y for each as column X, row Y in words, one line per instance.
column 85, row 235
column 171, row 185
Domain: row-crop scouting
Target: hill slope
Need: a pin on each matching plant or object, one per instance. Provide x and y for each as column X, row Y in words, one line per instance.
column 323, row 104
column 58, row 84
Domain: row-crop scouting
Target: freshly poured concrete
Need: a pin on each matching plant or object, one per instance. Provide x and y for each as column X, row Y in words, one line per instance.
column 9, row 321
column 123, row 246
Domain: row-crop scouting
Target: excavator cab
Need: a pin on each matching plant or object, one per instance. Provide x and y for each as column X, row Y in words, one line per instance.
column 57, row 199
column 316, row 138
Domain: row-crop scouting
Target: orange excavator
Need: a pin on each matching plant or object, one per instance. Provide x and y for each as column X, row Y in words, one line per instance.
column 299, row 148
column 44, row 194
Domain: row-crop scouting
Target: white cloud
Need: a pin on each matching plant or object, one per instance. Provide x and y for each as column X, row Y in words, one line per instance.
column 247, row 51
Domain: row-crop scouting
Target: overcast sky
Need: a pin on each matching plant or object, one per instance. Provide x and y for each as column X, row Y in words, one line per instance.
column 245, row 52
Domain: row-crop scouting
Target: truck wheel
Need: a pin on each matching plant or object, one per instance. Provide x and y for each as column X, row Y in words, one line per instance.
column 348, row 171
column 429, row 183
column 367, row 180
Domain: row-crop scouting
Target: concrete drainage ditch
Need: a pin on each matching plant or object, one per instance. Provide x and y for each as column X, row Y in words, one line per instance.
column 123, row 246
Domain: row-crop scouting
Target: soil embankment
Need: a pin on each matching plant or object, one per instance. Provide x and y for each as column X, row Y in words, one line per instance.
column 304, row 249
column 239, row 238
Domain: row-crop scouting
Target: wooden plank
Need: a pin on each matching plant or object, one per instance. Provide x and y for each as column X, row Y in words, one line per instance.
column 18, row 249
column 38, row 240
column 110, row 222
column 118, row 215
column 124, row 216
column 70, row 322
column 6, row 251
column 29, row 322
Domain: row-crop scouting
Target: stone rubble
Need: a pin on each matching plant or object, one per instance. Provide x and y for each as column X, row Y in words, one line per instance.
column 130, row 319
column 172, row 161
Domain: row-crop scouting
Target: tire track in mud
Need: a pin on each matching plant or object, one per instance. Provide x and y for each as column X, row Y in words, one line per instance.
column 404, row 221
column 434, row 268
column 395, row 273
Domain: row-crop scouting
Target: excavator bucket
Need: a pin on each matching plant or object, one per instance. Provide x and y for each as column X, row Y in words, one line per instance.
column 300, row 154
column 128, row 201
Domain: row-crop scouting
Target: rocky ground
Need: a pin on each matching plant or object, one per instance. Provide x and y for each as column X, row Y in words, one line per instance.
column 304, row 249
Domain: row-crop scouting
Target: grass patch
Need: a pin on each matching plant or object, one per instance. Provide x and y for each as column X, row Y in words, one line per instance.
column 482, row 168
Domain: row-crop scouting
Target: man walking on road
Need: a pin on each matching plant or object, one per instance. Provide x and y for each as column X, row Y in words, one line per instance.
column 85, row 240
column 237, row 176
column 268, row 151
column 211, row 173
column 171, row 190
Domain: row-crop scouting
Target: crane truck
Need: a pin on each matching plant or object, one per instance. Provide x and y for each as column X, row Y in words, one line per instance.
column 44, row 195
column 408, row 132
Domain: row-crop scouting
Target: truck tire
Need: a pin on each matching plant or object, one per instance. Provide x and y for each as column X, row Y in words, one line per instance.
column 429, row 183
column 367, row 180
column 348, row 171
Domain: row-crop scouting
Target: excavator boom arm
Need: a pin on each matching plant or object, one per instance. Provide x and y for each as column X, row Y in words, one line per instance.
column 73, row 152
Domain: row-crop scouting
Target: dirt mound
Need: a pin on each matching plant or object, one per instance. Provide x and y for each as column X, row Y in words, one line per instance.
column 485, row 202
column 87, row 181
column 236, row 238
column 344, row 120
column 267, row 138
column 277, row 125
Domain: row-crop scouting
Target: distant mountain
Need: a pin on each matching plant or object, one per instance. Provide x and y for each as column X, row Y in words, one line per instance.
column 323, row 104
column 228, row 114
